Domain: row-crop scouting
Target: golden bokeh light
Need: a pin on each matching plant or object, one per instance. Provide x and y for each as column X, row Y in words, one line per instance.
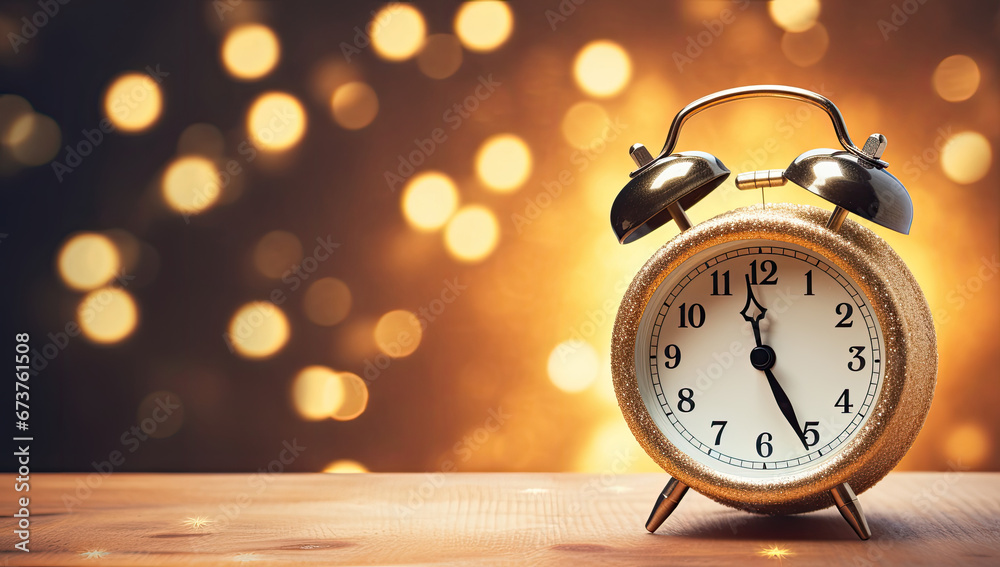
column 316, row 393
column 276, row 121
column 12, row 108
column 968, row 445
column 133, row 102
column 151, row 411
column 276, row 253
column 612, row 447
column 573, row 366
column 397, row 32
column 441, row 56
column 327, row 301
column 966, row 157
column 107, row 315
column 484, row 25
column 258, row 330
column 201, row 139
column 190, row 184
column 956, row 78
column 429, row 200
column 353, row 399
column 472, row 234
column 346, row 466
column 806, row 48
column 250, row 51
column 503, row 162
column 794, row 15
column 87, row 261
column 398, row 333
column 602, row 68
column 584, row 123
column 33, row 139
column 354, row 105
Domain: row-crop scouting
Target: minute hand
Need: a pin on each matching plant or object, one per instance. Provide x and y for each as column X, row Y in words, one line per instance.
column 785, row 405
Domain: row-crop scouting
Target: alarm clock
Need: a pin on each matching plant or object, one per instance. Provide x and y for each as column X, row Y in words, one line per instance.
column 777, row 358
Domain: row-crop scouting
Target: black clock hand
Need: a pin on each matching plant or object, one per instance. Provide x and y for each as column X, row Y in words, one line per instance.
column 785, row 405
column 762, row 357
column 754, row 321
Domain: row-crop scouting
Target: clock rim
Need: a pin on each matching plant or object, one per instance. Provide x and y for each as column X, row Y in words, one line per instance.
column 909, row 369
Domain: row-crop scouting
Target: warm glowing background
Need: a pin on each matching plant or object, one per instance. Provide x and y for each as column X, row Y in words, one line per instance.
column 441, row 179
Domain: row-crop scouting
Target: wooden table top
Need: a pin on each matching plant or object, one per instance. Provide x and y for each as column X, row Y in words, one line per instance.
column 516, row 519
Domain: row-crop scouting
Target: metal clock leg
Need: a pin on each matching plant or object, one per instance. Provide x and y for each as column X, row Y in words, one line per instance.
column 665, row 503
column 850, row 508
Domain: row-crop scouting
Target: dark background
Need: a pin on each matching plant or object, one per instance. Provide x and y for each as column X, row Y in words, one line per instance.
column 489, row 349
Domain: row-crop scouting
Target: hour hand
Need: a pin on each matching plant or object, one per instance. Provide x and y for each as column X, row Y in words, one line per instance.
column 753, row 305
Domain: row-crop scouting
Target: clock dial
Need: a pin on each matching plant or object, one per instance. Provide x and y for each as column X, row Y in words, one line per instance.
column 759, row 358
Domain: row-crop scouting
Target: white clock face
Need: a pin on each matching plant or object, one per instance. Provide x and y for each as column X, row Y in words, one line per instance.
column 767, row 406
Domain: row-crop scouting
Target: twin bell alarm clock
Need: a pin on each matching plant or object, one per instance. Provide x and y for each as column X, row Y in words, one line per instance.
column 777, row 358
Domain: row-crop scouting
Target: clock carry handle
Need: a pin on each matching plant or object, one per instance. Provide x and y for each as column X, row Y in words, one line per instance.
column 757, row 91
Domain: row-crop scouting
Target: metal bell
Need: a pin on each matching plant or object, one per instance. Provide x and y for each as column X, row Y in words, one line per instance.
column 854, row 184
column 663, row 190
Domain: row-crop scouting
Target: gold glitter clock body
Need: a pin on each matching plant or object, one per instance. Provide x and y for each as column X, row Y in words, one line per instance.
column 909, row 360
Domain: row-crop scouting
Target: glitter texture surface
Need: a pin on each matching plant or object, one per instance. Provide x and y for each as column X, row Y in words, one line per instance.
column 909, row 365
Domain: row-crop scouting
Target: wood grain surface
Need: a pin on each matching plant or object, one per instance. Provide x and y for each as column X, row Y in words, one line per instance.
column 460, row 519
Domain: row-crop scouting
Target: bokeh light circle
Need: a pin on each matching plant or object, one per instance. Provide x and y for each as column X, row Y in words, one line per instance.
column 429, row 200
column 88, row 260
column 327, row 301
column 806, row 48
column 107, row 315
column 966, row 157
column 585, row 123
column 398, row 333
column 258, row 330
column 354, row 397
column 354, row 105
column 201, row 139
column 441, row 56
column 133, row 102
column 484, row 25
column 968, row 444
column 602, row 68
column 190, row 184
column 345, row 466
column 33, row 139
column 156, row 421
column 276, row 253
column 573, row 366
column 398, row 31
column 316, row 393
column 250, row 51
column 794, row 15
column 503, row 162
column 472, row 234
column 956, row 78
column 276, row 121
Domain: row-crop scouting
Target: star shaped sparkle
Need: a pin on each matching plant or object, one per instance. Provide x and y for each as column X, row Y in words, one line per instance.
column 93, row 554
column 197, row 522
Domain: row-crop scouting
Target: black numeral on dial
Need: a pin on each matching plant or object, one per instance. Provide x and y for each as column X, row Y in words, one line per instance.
column 673, row 354
column 685, row 403
column 766, row 266
column 725, row 283
column 844, row 401
column 811, row 428
column 846, row 310
column 764, row 448
column 695, row 315
column 809, row 283
column 722, row 427
column 857, row 363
